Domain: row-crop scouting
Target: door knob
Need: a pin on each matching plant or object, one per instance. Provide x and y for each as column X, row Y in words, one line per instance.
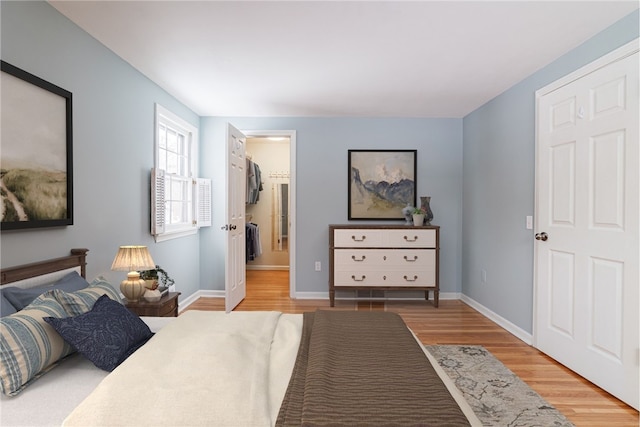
column 542, row 236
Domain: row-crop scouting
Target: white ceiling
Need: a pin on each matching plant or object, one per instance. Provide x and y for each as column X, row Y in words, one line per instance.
column 339, row 58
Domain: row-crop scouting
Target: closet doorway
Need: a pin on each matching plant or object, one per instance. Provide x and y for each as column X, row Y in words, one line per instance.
column 270, row 208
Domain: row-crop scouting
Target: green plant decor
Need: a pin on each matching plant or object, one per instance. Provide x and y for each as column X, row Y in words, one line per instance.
column 157, row 274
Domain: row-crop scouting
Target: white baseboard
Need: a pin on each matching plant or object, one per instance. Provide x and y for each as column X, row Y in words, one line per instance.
column 499, row 320
column 198, row 294
column 306, row 296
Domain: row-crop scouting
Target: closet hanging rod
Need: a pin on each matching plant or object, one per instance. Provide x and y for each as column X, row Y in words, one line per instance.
column 278, row 174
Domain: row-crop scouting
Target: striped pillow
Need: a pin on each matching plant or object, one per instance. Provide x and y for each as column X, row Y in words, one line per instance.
column 82, row 301
column 29, row 346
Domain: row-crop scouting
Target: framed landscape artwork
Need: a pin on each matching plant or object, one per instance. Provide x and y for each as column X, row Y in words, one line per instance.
column 36, row 162
column 381, row 183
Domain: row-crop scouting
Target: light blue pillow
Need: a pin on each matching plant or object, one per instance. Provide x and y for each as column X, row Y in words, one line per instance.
column 82, row 301
column 20, row 298
column 6, row 308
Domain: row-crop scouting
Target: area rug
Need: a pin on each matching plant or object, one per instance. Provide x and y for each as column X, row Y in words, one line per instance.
column 496, row 395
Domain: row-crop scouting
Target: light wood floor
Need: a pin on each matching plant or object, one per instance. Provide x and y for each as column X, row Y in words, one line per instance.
column 456, row 323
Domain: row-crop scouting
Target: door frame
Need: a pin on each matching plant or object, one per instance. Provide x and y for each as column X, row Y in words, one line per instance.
column 613, row 56
column 291, row 134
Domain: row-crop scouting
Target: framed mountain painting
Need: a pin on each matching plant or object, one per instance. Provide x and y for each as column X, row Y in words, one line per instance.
column 381, row 183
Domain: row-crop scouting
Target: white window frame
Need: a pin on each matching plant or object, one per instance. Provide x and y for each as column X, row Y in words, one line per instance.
column 161, row 181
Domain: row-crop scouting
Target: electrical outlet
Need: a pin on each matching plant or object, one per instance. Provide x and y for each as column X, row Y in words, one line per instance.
column 318, row 266
column 483, row 276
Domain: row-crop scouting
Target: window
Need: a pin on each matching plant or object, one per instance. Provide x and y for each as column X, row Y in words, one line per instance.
column 180, row 201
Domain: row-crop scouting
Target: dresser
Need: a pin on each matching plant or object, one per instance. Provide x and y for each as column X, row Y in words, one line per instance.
column 384, row 257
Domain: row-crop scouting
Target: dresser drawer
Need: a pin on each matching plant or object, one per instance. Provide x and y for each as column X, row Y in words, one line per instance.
column 396, row 238
column 403, row 259
column 357, row 258
column 356, row 238
column 411, row 238
column 384, row 279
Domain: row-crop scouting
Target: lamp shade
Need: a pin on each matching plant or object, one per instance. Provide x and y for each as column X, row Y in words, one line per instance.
column 132, row 258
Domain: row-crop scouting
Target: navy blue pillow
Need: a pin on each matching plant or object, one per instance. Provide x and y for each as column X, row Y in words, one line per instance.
column 20, row 298
column 106, row 335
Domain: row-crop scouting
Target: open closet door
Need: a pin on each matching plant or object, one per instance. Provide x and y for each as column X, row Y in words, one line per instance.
column 235, row 276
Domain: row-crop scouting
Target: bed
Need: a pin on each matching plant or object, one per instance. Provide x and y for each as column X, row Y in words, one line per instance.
column 243, row 368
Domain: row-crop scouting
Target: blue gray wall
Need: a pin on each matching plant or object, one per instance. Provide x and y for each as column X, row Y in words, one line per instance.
column 498, row 191
column 321, row 166
column 113, row 122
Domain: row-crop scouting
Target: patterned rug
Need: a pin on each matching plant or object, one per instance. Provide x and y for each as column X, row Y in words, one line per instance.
column 496, row 395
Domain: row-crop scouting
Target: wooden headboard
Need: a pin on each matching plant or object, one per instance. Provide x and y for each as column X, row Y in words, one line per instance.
column 78, row 258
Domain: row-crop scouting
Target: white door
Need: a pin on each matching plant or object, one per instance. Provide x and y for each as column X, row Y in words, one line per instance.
column 587, row 186
column 235, row 277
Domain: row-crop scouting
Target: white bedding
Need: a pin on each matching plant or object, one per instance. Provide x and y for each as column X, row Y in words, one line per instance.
column 206, row 368
column 219, row 357
column 49, row 399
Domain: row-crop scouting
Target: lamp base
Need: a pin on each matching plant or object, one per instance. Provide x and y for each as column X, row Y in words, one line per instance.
column 133, row 288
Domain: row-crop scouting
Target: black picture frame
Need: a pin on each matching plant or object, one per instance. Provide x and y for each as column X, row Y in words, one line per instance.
column 37, row 152
column 381, row 183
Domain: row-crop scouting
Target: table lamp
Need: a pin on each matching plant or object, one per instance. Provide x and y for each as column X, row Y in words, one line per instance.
column 132, row 259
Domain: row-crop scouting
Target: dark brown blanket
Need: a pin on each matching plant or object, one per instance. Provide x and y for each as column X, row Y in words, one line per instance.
column 364, row 368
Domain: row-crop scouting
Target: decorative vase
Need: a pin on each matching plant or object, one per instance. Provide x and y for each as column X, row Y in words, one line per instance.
column 406, row 212
column 424, row 204
column 152, row 295
column 151, row 283
column 418, row 219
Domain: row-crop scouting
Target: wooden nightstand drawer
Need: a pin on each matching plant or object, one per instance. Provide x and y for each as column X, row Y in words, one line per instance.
column 166, row 307
column 170, row 309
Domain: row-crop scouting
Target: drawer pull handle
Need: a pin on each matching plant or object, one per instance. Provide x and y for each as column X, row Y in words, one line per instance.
column 358, row 280
column 411, row 280
column 353, row 257
column 358, row 240
column 415, row 258
column 415, row 239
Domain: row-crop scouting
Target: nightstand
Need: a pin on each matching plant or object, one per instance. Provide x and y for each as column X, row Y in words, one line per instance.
column 166, row 307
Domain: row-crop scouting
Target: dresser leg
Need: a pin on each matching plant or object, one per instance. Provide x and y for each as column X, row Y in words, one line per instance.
column 436, row 296
column 426, row 295
column 332, row 298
